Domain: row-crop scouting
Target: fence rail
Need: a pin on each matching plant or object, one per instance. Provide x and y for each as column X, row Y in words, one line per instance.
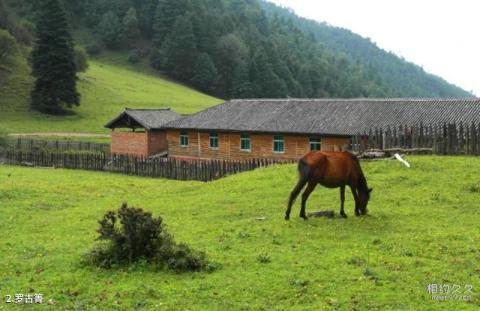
column 201, row 170
column 56, row 145
column 446, row 139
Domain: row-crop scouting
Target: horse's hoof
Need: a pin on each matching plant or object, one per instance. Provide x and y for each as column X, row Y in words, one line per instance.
column 304, row 217
column 344, row 215
column 287, row 217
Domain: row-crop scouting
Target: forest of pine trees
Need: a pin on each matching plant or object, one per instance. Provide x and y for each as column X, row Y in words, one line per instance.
column 235, row 49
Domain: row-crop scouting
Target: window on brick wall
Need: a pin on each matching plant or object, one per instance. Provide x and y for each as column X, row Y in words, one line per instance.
column 315, row 144
column 184, row 139
column 245, row 143
column 214, row 140
column 278, row 144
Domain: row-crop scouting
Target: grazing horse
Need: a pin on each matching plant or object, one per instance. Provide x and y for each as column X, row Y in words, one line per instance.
column 331, row 170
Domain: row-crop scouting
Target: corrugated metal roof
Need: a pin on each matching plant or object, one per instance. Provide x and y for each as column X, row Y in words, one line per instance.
column 327, row 116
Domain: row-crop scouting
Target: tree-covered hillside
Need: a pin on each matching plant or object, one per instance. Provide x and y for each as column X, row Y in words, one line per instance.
column 406, row 79
column 244, row 48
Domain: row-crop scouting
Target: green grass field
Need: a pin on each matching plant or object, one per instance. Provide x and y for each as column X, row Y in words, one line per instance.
column 110, row 85
column 423, row 228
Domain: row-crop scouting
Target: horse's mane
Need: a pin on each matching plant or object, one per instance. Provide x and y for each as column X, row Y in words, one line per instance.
column 362, row 182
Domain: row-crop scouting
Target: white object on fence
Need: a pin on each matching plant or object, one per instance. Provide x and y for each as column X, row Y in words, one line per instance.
column 399, row 158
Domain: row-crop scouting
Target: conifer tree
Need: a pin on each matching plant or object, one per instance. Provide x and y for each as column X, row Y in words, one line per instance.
column 180, row 49
column 165, row 17
column 3, row 15
column 110, row 29
column 241, row 86
column 266, row 82
column 204, row 73
column 131, row 29
column 53, row 61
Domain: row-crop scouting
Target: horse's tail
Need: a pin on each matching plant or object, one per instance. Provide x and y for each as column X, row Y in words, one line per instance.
column 305, row 173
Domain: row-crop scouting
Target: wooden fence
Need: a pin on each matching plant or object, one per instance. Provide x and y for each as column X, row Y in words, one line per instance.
column 201, row 170
column 28, row 144
column 446, row 139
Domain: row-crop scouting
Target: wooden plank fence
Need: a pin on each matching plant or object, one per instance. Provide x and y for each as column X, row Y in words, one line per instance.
column 56, row 145
column 201, row 170
column 445, row 139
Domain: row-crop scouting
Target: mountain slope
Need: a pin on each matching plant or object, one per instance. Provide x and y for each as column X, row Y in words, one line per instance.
column 106, row 88
column 247, row 48
column 405, row 78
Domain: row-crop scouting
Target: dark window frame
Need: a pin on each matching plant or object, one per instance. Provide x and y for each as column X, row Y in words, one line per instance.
column 245, row 138
column 317, row 141
column 278, row 141
column 184, row 141
column 213, row 137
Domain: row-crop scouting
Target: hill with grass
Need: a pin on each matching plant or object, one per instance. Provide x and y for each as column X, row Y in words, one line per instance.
column 109, row 85
column 155, row 53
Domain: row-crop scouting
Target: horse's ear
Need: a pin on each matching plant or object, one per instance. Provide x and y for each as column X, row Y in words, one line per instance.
column 370, row 190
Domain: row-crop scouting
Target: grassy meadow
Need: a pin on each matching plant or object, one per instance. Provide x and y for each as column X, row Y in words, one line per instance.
column 423, row 228
column 109, row 85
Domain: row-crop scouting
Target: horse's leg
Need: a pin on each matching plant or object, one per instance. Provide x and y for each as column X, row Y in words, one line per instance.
column 311, row 185
column 305, row 173
column 342, row 201
column 293, row 196
column 355, row 197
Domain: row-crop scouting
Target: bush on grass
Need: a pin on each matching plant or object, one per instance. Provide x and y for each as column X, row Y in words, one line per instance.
column 133, row 235
column 81, row 59
column 134, row 56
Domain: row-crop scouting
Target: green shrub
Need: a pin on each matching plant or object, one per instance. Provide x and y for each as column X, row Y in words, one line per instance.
column 157, row 59
column 133, row 235
column 81, row 59
column 8, row 44
column 134, row 56
column 94, row 49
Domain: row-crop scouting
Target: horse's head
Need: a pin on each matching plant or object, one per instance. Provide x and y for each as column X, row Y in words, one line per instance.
column 363, row 198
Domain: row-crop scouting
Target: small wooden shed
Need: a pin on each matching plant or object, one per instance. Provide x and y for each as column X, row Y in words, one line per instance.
column 140, row 132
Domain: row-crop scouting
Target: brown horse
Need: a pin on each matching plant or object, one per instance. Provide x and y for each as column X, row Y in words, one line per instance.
column 331, row 170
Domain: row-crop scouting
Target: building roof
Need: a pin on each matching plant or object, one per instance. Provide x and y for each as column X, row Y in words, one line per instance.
column 327, row 116
column 149, row 119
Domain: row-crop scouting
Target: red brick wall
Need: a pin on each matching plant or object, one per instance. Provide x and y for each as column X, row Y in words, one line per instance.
column 138, row 143
column 157, row 142
column 229, row 146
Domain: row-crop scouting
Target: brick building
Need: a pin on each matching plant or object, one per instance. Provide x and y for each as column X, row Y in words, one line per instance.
column 140, row 132
column 288, row 128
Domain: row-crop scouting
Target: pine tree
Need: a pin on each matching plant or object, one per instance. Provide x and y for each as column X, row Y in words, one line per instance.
column 180, row 49
column 110, row 30
column 53, row 61
column 204, row 73
column 266, row 83
column 130, row 26
column 231, row 53
column 241, row 86
column 3, row 16
column 165, row 17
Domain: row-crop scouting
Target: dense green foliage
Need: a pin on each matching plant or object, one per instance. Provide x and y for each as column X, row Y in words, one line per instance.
column 133, row 235
column 53, row 61
column 404, row 79
column 7, row 44
column 81, row 59
column 254, row 49
column 422, row 229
